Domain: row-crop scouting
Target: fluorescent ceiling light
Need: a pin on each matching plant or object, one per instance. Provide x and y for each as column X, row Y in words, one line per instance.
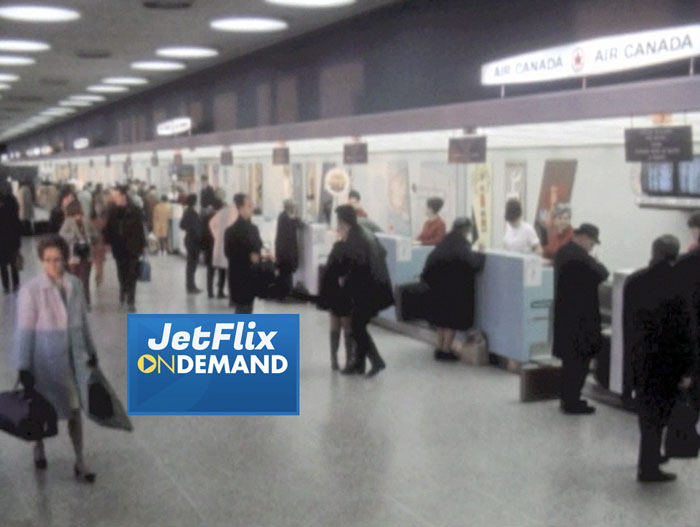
column 158, row 65
column 187, row 52
column 34, row 13
column 8, row 77
column 311, row 3
column 75, row 103
column 127, row 81
column 94, row 98
column 23, row 45
column 101, row 88
column 248, row 24
column 57, row 111
column 4, row 86
column 13, row 60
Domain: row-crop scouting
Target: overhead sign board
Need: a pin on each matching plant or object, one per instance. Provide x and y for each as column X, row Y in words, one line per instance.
column 226, row 158
column 280, row 156
column 175, row 126
column 663, row 143
column 596, row 56
column 355, row 154
column 81, row 143
column 467, row 149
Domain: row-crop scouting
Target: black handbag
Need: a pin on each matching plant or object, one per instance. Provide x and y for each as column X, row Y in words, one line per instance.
column 412, row 301
column 682, row 439
column 27, row 415
column 99, row 400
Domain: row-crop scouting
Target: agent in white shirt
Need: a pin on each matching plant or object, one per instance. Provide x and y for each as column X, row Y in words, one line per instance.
column 520, row 236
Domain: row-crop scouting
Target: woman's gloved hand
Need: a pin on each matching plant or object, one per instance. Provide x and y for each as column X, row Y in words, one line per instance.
column 27, row 379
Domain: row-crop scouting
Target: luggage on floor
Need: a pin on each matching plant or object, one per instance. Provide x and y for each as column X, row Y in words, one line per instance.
column 412, row 301
column 681, row 436
column 27, row 415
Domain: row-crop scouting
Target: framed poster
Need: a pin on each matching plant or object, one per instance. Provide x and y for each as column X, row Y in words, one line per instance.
column 255, row 184
column 557, row 187
column 399, row 202
column 325, row 208
column 481, row 191
column 516, row 183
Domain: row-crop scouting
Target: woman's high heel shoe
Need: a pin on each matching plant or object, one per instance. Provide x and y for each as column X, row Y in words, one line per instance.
column 86, row 477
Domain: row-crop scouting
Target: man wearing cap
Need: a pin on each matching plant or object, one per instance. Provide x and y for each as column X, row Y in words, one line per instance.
column 577, row 336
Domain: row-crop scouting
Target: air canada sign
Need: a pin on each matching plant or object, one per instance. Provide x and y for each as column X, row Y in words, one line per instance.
column 596, row 57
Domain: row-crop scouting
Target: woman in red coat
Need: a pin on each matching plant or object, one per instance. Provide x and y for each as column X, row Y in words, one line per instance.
column 434, row 227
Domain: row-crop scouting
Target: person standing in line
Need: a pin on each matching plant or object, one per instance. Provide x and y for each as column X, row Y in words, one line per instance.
column 287, row 247
column 98, row 218
column 150, row 202
column 124, row 232
column 191, row 223
column 434, row 228
column 242, row 245
column 520, row 236
column 658, row 334
column 162, row 214
column 222, row 220
column 10, row 238
column 85, row 198
column 208, row 250
column 354, row 199
column 54, row 350
column 560, row 231
column 207, row 194
column 58, row 213
column 81, row 237
column 577, row 331
column 366, row 276
column 449, row 272
column 26, row 207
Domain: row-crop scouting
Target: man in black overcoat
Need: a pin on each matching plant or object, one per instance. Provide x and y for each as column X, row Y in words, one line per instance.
column 286, row 247
column 577, row 332
column 242, row 246
column 658, row 334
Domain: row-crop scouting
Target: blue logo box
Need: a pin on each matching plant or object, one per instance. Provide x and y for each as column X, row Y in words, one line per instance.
column 213, row 364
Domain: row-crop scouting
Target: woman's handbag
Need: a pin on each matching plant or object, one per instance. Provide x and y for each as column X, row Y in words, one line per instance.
column 26, row 414
column 144, row 270
column 104, row 407
column 682, row 439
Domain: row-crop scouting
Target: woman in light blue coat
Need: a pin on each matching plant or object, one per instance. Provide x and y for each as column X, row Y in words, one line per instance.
column 54, row 349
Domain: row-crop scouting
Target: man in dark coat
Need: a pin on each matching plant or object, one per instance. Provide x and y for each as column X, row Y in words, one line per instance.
column 191, row 223
column 286, row 248
column 658, row 334
column 366, row 278
column 207, row 196
column 242, row 246
column 10, row 237
column 577, row 332
column 450, row 272
column 124, row 232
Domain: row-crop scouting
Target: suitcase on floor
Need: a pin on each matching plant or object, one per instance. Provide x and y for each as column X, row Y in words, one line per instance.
column 27, row 415
column 411, row 301
column 682, row 439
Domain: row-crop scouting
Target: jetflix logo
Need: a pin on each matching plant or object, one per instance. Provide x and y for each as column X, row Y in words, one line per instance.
column 213, row 364
column 597, row 56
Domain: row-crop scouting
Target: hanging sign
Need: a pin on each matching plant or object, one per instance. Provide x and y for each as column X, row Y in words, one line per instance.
column 596, row 56
column 337, row 181
column 355, row 154
column 467, row 149
column 226, row 158
column 280, row 156
column 81, row 143
column 154, row 159
column 662, row 143
column 177, row 159
column 174, row 126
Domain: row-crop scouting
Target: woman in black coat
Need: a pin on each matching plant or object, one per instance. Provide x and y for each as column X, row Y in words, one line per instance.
column 450, row 273
column 191, row 223
column 10, row 232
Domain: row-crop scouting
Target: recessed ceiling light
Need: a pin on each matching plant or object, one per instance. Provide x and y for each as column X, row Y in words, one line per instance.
column 248, row 24
column 80, row 104
column 187, row 52
column 8, row 77
column 12, row 60
column 4, row 86
column 129, row 81
column 94, row 98
column 57, row 112
column 311, row 3
column 23, row 45
column 158, row 65
column 101, row 88
column 34, row 13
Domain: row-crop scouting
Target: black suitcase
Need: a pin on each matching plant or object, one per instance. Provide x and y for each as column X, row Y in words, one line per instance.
column 27, row 415
column 682, row 439
column 411, row 301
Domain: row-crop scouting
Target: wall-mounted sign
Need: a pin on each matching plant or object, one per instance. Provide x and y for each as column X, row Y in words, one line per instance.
column 177, row 159
column 226, row 158
column 596, row 56
column 337, row 181
column 467, row 149
column 154, row 159
column 663, row 143
column 355, row 154
column 174, row 126
column 280, row 156
column 81, row 143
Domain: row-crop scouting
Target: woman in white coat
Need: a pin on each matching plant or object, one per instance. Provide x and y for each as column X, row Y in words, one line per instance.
column 218, row 224
column 54, row 349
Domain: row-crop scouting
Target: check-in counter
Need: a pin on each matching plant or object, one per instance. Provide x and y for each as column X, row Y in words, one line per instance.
column 617, row 363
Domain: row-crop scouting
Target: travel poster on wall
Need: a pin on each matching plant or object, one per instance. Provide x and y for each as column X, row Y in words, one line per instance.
column 516, row 183
column 398, row 191
column 325, row 209
column 255, row 184
column 557, row 187
column 481, row 189
column 311, row 197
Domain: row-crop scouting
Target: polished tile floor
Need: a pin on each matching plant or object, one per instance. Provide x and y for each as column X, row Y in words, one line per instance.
column 423, row 444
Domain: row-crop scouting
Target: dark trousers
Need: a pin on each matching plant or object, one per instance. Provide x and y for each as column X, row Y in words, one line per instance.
column 211, row 271
column 283, row 283
column 128, row 273
column 244, row 309
column 653, row 414
column 82, row 271
column 365, row 347
column 5, row 276
column 192, row 258
column 574, row 370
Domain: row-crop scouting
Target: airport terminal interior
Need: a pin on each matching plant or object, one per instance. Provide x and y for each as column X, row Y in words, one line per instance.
column 513, row 133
